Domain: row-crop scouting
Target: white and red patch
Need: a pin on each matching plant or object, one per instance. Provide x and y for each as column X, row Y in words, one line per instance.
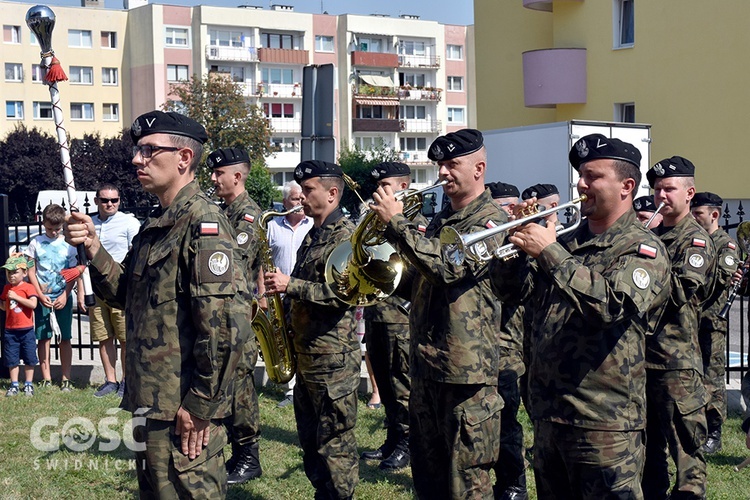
column 249, row 218
column 697, row 242
column 647, row 251
column 490, row 224
column 421, row 228
column 209, row 229
column 731, row 246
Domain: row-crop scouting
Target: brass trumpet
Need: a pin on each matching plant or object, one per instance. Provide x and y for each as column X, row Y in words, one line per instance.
column 483, row 245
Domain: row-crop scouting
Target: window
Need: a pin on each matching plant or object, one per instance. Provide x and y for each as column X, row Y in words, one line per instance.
column 109, row 40
column 415, row 80
column 109, row 76
column 111, row 112
column 221, row 38
column 37, row 73
column 370, row 45
column 276, row 41
column 370, row 112
column 624, row 23
column 278, row 110
column 11, row 34
column 456, row 83
column 83, row 75
column 236, row 72
column 176, row 37
column 625, row 112
column 323, row 43
column 285, row 144
column 454, row 52
column 177, row 72
column 413, row 112
column 277, row 75
column 13, row 72
column 14, row 110
column 42, row 110
column 281, row 178
column 33, row 39
column 413, row 143
column 82, row 111
column 368, row 143
column 456, row 115
column 406, row 48
column 79, row 38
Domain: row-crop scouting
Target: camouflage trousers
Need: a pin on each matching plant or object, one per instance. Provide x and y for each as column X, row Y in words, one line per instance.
column 455, row 438
column 676, row 421
column 713, row 348
column 325, row 406
column 388, row 347
column 575, row 463
column 243, row 425
column 164, row 472
column 509, row 468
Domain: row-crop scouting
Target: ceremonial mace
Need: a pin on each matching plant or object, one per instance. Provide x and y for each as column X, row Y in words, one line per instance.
column 41, row 21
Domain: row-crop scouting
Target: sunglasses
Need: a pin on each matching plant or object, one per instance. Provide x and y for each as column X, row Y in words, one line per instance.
column 147, row 150
column 109, row 200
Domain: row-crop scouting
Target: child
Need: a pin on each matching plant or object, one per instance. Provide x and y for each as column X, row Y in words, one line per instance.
column 51, row 255
column 18, row 300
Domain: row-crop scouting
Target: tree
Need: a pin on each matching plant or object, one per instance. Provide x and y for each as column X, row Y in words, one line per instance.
column 260, row 187
column 358, row 164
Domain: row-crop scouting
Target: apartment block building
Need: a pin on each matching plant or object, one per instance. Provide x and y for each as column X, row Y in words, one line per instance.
column 399, row 81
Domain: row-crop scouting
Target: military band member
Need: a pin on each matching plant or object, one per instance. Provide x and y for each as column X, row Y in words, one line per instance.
column 454, row 323
column 185, row 301
column 645, row 208
column 504, row 195
column 712, row 335
column 676, row 395
column 229, row 170
column 324, row 337
column 547, row 195
column 589, row 294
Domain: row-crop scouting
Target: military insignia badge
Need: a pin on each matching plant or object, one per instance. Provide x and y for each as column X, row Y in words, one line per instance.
column 136, row 128
column 697, row 242
column 731, row 246
column 218, row 263
column 249, row 218
column 696, row 260
column 729, row 260
column 647, row 250
column 658, row 170
column 437, row 152
column 375, row 174
column 422, row 228
column 641, row 278
column 209, row 229
column 582, row 148
column 490, row 224
column 242, row 238
column 637, row 205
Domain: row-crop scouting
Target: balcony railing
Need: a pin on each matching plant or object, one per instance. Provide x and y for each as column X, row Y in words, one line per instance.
column 408, row 125
column 280, row 90
column 249, row 89
column 247, row 54
column 374, row 59
column 414, row 157
column 375, row 125
column 283, row 56
column 407, row 61
column 365, row 90
column 420, row 94
column 287, row 125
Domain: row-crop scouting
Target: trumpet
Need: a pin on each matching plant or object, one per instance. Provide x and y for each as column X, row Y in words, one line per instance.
column 482, row 246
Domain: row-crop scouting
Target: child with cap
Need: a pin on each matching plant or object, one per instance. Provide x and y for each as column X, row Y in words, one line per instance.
column 19, row 300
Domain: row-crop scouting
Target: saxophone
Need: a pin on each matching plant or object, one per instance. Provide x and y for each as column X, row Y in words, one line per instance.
column 270, row 325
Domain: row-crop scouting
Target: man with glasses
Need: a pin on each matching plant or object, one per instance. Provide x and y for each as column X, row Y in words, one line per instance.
column 187, row 313
column 116, row 231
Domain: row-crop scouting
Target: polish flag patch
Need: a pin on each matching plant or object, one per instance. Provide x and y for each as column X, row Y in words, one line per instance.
column 490, row 224
column 421, row 228
column 697, row 242
column 209, row 228
column 731, row 246
column 647, row 251
column 249, row 218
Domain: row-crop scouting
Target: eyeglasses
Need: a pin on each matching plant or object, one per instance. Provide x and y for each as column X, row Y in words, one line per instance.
column 147, row 150
column 109, row 200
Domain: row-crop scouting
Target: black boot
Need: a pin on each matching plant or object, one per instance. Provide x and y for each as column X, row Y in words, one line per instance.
column 248, row 465
column 713, row 443
column 514, row 493
column 399, row 458
column 385, row 449
column 232, row 462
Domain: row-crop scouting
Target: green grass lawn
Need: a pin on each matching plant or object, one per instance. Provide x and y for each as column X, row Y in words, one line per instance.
column 27, row 472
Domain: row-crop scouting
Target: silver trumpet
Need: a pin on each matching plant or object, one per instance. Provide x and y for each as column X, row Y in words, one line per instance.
column 484, row 245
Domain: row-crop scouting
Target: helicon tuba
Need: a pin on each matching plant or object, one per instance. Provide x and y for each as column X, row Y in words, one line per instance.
column 270, row 326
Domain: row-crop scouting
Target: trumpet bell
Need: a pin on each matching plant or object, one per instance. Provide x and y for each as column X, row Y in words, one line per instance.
column 454, row 250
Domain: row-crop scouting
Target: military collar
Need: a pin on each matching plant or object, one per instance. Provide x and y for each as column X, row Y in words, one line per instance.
column 473, row 206
column 237, row 204
column 162, row 217
column 670, row 233
column 333, row 217
column 583, row 237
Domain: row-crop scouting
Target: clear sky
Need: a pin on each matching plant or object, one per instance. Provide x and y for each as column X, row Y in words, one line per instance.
column 443, row 11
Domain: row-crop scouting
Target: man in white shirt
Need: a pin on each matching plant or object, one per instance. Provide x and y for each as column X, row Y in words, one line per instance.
column 116, row 231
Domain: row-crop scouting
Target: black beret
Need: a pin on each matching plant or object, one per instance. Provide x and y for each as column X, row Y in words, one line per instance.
column 539, row 191
column 316, row 168
column 390, row 169
column 644, row 204
column 227, row 156
column 502, row 190
column 677, row 166
column 706, row 200
column 455, row 144
column 596, row 146
column 158, row 122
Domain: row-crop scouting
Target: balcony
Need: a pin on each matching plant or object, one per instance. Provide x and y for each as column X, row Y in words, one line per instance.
column 286, row 125
column 375, row 125
column 245, row 54
column 408, row 61
column 280, row 90
column 414, row 157
column 374, row 59
column 430, row 126
column 283, row 56
column 554, row 76
column 283, row 160
column 249, row 89
column 367, row 91
column 420, row 94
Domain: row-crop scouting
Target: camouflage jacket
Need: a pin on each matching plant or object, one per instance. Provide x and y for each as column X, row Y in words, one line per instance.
column 674, row 343
column 185, row 305
column 321, row 323
column 455, row 318
column 588, row 297
column 727, row 260
column 243, row 213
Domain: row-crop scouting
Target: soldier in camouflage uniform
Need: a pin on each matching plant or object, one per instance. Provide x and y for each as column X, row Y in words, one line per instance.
column 645, row 209
column 675, row 393
column 187, row 310
column 712, row 335
column 454, row 322
column 325, row 340
column 387, row 341
column 589, row 294
column 230, row 167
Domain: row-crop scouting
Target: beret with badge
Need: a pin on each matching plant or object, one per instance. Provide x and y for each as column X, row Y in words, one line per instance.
column 596, row 147
column 390, row 169
column 644, row 204
column 309, row 169
column 455, row 144
column 677, row 166
column 539, row 191
column 159, row 122
column 227, row 156
column 502, row 190
column 706, row 200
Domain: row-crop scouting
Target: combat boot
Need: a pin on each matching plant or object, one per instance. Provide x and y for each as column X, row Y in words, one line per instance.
column 514, row 493
column 232, row 462
column 399, row 458
column 385, row 449
column 248, row 465
column 713, row 443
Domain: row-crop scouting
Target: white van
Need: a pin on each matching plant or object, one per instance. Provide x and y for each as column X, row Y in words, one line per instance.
column 60, row 197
